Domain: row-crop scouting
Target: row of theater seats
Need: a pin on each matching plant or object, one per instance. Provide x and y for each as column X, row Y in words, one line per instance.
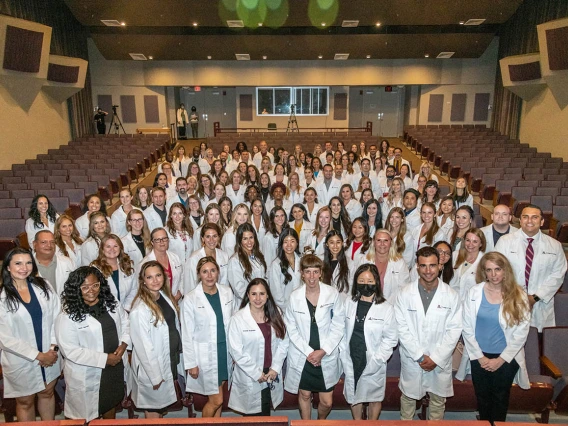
column 501, row 170
column 103, row 164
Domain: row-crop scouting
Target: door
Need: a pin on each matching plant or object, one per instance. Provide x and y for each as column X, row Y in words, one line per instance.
column 383, row 109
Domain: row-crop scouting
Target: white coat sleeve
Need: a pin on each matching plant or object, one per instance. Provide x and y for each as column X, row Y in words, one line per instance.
column 405, row 335
column 11, row 343
column 468, row 333
column 279, row 356
column 553, row 279
column 125, row 324
column 389, row 340
column 140, row 323
column 188, row 320
column 454, row 327
column 331, row 341
column 68, row 341
column 133, row 290
column 240, row 356
column 276, row 283
column 294, row 335
column 236, row 277
column 55, row 306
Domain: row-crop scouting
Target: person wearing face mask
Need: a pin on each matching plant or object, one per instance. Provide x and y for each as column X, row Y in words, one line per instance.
column 368, row 342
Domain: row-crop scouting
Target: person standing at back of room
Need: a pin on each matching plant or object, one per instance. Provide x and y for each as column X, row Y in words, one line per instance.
column 194, row 121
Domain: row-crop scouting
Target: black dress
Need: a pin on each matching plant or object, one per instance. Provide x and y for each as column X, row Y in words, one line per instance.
column 111, row 390
column 175, row 339
column 357, row 345
column 312, row 377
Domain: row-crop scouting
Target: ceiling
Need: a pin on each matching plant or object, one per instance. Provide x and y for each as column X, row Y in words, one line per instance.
column 291, row 29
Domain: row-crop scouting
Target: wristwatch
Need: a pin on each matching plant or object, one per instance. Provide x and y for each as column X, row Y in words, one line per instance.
column 536, row 298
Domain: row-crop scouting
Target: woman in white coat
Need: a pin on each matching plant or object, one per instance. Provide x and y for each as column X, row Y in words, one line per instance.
column 42, row 216
column 180, row 232
column 496, row 320
column 137, row 242
column 358, row 243
column 335, row 270
column 428, row 233
column 118, row 218
column 156, row 341
column 395, row 223
column 118, row 270
column 284, row 272
column 313, row 351
column 352, row 205
column 258, row 345
column 93, row 333
column 465, row 261
column 210, row 240
column 30, row 364
column 92, row 203
column 298, row 219
column 368, row 342
column 99, row 227
column 316, row 241
column 67, row 240
column 240, row 215
column 247, row 263
column 206, row 311
column 311, row 203
column 277, row 221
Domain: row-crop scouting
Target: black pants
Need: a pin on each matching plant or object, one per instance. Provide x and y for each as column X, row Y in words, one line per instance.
column 101, row 128
column 492, row 389
column 181, row 132
column 194, row 132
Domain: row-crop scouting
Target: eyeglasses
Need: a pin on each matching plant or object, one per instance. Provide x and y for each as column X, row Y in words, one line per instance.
column 88, row 287
column 137, row 220
column 161, row 240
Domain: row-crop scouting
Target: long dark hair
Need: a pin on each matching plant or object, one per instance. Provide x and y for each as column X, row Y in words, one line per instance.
column 301, row 207
column 327, row 272
column 378, row 297
column 366, row 237
column 271, row 311
column 343, row 215
column 447, row 272
column 34, row 213
column 12, row 296
column 281, row 255
column 263, row 215
column 378, row 217
column 244, row 259
column 72, row 302
column 85, row 204
column 272, row 226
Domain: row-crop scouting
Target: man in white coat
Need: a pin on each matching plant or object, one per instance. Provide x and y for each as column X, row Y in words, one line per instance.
column 329, row 187
column 51, row 266
column 156, row 213
column 411, row 210
column 501, row 218
column 539, row 264
column 263, row 152
column 429, row 317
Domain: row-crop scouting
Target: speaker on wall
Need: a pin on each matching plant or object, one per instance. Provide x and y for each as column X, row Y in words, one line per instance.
column 553, row 42
column 522, row 75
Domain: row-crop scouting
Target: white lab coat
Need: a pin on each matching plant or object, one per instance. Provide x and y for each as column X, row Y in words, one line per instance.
column 269, row 246
column 178, row 277
column 325, row 194
column 330, row 318
column 81, row 343
column 409, row 252
column 229, row 241
column 354, row 209
column 32, row 230
column 464, row 276
column 314, row 213
column 21, row 370
column 434, row 333
column 151, row 358
column 257, row 159
column 128, row 287
column 305, row 233
column 237, row 196
column 62, row 270
column 515, row 337
column 199, row 338
column 280, row 291
column 184, row 167
column 181, row 115
column 181, row 248
column 153, row 219
column 413, row 220
column 547, row 272
column 421, row 242
column 82, row 225
column 237, row 279
column 380, row 338
column 312, row 241
column 89, row 251
column 387, row 206
column 131, row 249
column 246, row 346
column 488, row 232
column 448, row 226
column 354, row 261
column 396, row 277
column 74, row 254
column 118, row 222
column 222, row 260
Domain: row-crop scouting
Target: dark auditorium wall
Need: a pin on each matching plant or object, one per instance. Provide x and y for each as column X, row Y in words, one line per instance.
column 47, row 123
column 540, row 121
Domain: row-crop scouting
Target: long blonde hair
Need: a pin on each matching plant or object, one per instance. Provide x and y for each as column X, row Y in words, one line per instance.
column 515, row 303
column 400, row 244
column 146, row 297
column 393, row 253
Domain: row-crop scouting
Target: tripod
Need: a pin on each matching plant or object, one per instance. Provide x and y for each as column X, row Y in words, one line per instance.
column 116, row 122
column 292, row 122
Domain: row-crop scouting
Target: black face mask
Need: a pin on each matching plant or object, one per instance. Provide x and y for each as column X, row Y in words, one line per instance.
column 366, row 290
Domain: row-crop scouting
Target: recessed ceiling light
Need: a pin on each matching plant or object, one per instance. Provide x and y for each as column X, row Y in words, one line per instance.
column 242, row 56
column 150, row 57
column 378, row 24
column 320, row 56
column 138, row 56
column 368, row 56
column 462, row 22
column 264, row 57
column 350, row 23
column 426, row 55
column 260, row 24
column 341, row 56
column 195, row 24
column 123, row 24
column 445, row 55
column 323, row 24
column 235, row 24
column 208, row 57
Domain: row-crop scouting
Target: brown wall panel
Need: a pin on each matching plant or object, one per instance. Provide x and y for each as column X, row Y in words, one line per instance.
column 557, row 41
column 151, row 109
column 458, row 107
column 340, row 106
column 481, row 107
column 22, row 49
column 525, row 72
column 436, row 108
column 245, row 107
column 128, row 106
column 105, row 103
column 62, row 73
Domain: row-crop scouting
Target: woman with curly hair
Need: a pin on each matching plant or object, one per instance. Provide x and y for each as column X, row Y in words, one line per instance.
column 42, row 216
column 99, row 227
column 156, row 340
column 93, row 333
column 137, row 242
column 30, row 364
column 339, row 216
column 247, row 262
column 67, row 240
column 284, row 271
column 118, row 270
column 91, row 204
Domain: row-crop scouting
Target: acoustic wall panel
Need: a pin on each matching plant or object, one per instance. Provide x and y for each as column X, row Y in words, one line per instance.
column 245, row 107
column 435, row 108
column 104, row 102
column 553, row 45
column 22, row 49
column 62, row 73
column 481, row 107
column 340, row 106
column 65, row 76
column 128, row 106
column 151, row 109
column 458, row 107
column 522, row 75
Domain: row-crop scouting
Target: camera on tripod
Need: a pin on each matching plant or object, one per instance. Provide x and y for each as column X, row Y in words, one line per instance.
column 114, row 107
column 292, row 107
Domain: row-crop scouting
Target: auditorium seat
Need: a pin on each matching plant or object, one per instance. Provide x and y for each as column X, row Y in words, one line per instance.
column 75, row 195
column 503, row 191
column 522, row 196
column 10, row 213
column 545, row 203
column 555, row 364
column 40, row 187
column 7, row 203
column 9, row 230
column 560, row 215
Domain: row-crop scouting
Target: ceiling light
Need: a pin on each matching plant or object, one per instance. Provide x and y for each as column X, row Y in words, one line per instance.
column 111, row 22
column 368, row 56
column 264, row 57
column 445, row 55
column 426, row 55
column 138, row 56
column 195, row 24
column 242, row 56
column 209, row 57
column 123, row 24
column 378, row 24
column 341, row 56
column 235, row 24
column 260, row 24
column 150, row 57
column 320, row 57
column 474, row 22
column 323, row 24
column 462, row 22
column 350, row 23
